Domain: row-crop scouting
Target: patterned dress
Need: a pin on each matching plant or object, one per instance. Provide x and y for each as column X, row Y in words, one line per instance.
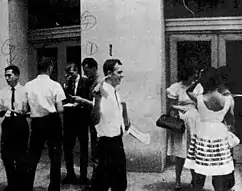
column 178, row 143
column 209, row 152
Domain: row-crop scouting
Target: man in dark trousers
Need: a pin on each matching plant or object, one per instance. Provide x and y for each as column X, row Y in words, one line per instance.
column 107, row 115
column 45, row 98
column 76, row 121
column 15, row 130
column 90, row 68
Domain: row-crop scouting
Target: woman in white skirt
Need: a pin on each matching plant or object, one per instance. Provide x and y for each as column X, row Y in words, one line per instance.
column 178, row 143
column 210, row 152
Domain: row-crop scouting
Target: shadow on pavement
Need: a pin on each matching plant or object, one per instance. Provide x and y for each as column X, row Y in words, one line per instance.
column 168, row 186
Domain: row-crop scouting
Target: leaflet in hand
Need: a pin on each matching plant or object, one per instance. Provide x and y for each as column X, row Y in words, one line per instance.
column 143, row 137
column 69, row 105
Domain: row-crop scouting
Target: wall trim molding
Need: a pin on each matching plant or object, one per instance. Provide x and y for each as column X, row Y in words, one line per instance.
column 55, row 33
column 223, row 24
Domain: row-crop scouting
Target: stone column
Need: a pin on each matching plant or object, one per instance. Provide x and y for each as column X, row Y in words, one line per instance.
column 135, row 29
column 163, row 83
column 4, row 39
column 18, row 27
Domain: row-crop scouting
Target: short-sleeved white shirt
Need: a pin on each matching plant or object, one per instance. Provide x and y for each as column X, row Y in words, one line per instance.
column 43, row 94
column 20, row 99
column 111, row 120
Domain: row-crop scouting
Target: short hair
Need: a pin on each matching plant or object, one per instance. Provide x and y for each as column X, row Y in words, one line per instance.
column 109, row 65
column 90, row 62
column 44, row 64
column 71, row 65
column 14, row 68
column 210, row 80
column 185, row 72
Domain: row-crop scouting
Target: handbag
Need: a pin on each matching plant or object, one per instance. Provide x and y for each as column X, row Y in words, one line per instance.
column 233, row 140
column 170, row 122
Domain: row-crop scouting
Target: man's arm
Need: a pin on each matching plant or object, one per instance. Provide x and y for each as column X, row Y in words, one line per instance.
column 3, row 109
column 80, row 100
column 60, row 110
column 96, row 111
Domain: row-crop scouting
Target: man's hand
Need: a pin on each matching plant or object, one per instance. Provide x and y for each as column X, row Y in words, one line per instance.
column 80, row 100
column 98, row 90
column 3, row 108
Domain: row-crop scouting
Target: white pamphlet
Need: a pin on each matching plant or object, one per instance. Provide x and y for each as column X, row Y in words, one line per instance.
column 143, row 137
column 69, row 105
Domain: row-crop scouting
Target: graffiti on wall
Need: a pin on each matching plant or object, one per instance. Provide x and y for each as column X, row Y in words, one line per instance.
column 88, row 21
column 8, row 51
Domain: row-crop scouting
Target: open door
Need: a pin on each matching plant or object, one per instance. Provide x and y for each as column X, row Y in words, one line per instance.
column 230, row 54
column 200, row 49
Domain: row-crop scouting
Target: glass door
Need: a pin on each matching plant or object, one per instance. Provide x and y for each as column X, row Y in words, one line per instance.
column 193, row 49
column 230, row 54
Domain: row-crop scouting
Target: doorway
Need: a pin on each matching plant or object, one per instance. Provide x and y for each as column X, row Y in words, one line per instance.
column 211, row 50
column 230, row 55
column 201, row 50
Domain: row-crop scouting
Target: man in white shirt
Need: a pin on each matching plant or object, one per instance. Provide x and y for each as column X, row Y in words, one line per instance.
column 45, row 98
column 107, row 114
column 15, row 129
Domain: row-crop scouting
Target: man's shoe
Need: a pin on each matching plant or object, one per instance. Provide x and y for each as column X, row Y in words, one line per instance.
column 6, row 189
column 69, row 179
column 83, row 181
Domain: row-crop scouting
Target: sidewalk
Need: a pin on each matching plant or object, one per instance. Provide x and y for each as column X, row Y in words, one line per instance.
column 136, row 181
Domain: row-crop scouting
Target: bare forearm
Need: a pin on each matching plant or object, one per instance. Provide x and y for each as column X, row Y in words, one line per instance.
column 96, row 114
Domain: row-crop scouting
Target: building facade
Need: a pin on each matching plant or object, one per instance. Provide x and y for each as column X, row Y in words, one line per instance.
column 152, row 39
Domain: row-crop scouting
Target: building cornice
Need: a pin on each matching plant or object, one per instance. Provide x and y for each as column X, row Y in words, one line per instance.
column 172, row 25
column 67, row 32
column 204, row 24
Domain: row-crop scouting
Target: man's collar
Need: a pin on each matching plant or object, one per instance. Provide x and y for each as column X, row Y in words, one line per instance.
column 43, row 76
column 15, row 87
column 109, row 86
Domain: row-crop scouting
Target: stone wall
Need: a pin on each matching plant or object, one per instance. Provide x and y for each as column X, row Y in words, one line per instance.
column 134, row 29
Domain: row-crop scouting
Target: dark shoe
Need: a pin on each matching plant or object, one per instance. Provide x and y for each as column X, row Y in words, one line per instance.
column 69, row 179
column 192, row 185
column 83, row 181
column 6, row 189
column 178, row 187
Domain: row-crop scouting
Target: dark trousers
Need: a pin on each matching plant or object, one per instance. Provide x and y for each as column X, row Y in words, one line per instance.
column 111, row 168
column 75, row 126
column 48, row 130
column 94, row 149
column 220, row 183
column 14, row 144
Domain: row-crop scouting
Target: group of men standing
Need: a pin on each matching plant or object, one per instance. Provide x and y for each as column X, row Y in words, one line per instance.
column 60, row 115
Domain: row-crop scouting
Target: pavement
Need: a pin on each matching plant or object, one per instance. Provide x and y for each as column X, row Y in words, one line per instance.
column 163, row 181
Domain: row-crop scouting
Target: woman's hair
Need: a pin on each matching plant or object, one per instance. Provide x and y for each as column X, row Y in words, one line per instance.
column 185, row 72
column 223, row 74
column 211, row 79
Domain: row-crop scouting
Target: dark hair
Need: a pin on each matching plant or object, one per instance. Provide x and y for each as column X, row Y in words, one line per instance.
column 185, row 72
column 44, row 64
column 109, row 65
column 70, row 66
column 223, row 74
column 90, row 62
column 210, row 80
column 14, row 68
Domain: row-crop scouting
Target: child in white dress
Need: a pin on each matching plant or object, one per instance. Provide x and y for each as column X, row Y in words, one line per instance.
column 209, row 152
